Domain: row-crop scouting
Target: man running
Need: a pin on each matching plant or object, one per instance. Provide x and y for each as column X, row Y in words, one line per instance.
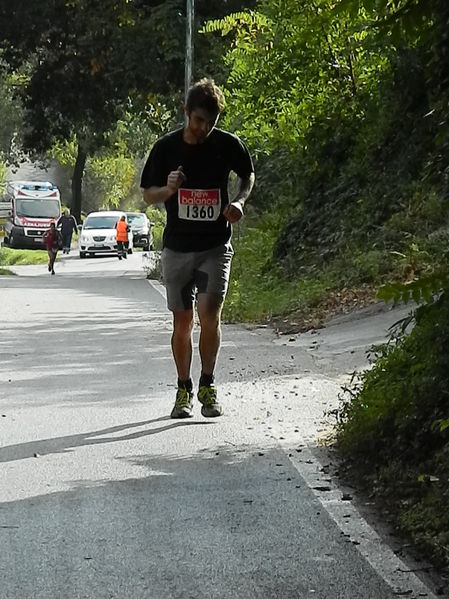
column 188, row 169
column 53, row 240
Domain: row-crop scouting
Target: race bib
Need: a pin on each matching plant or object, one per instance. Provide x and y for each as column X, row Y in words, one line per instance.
column 199, row 204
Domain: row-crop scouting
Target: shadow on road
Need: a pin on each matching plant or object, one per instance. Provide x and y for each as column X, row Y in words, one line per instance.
column 223, row 524
column 42, row 447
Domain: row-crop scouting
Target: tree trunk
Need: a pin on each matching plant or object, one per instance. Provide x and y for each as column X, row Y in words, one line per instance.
column 77, row 182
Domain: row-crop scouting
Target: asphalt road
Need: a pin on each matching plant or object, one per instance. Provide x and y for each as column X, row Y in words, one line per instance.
column 103, row 496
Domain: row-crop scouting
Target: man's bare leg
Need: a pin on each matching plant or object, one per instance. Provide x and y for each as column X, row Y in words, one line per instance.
column 209, row 313
column 52, row 262
column 181, row 343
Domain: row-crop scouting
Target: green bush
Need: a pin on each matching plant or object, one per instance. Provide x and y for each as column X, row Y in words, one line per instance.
column 394, row 405
column 157, row 218
column 393, row 428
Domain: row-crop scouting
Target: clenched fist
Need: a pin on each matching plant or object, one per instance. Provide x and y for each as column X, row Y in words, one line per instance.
column 175, row 179
column 233, row 212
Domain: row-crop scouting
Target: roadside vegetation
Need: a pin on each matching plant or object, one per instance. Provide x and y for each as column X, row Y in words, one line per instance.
column 353, row 175
column 393, row 429
column 344, row 105
column 11, row 257
column 156, row 216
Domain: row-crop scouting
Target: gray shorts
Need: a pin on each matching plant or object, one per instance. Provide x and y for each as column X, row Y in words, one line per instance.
column 187, row 273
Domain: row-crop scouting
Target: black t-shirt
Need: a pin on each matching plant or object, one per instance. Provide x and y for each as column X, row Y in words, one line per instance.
column 67, row 224
column 195, row 220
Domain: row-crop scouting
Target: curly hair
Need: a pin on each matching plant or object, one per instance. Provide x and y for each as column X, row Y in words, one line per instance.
column 206, row 95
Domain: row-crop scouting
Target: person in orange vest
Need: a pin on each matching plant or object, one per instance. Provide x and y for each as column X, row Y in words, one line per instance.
column 123, row 229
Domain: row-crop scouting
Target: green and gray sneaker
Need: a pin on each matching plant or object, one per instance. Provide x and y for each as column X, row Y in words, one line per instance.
column 208, row 397
column 183, row 404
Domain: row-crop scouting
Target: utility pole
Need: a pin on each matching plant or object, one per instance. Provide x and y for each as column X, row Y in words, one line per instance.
column 190, row 14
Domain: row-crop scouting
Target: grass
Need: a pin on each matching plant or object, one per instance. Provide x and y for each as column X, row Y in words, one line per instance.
column 311, row 287
column 260, row 291
column 11, row 257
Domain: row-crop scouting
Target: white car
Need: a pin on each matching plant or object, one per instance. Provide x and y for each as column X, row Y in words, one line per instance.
column 98, row 234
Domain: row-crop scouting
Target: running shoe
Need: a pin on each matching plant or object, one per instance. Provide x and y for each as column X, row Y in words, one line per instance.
column 183, row 405
column 208, row 397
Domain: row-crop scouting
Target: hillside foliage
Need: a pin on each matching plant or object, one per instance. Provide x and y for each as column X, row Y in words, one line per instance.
column 343, row 106
column 346, row 106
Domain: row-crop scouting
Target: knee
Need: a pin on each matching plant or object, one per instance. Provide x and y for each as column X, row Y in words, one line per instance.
column 183, row 324
column 209, row 319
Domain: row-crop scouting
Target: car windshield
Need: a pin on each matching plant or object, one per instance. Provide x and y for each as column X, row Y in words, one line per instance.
column 38, row 208
column 136, row 220
column 100, row 222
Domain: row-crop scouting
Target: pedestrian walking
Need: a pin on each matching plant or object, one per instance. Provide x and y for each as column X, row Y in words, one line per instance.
column 67, row 225
column 123, row 229
column 188, row 170
column 53, row 241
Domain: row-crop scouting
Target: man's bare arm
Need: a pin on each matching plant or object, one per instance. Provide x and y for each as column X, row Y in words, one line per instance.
column 244, row 189
column 158, row 195
column 234, row 210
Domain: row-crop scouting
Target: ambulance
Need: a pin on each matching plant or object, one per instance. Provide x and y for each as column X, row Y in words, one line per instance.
column 34, row 205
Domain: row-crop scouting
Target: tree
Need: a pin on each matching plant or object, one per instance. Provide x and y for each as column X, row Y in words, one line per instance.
column 86, row 58
column 296, row 73
column 292, row 63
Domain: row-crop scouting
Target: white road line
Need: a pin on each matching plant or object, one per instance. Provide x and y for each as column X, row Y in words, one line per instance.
column 349, row 520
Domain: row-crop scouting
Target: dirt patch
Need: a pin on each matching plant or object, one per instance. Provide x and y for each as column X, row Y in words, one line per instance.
column 336, row 303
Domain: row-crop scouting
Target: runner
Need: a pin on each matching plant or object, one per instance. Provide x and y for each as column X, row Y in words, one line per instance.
column 188, row 169
column 53, row 241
